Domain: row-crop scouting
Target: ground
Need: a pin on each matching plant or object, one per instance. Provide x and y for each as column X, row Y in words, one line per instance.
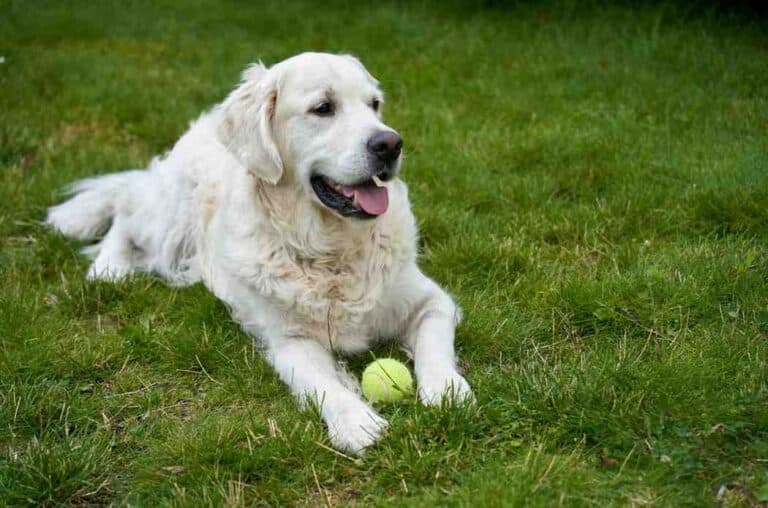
column 591, row 183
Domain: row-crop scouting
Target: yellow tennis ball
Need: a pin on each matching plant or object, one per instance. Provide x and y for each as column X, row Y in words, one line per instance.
column 386, row 380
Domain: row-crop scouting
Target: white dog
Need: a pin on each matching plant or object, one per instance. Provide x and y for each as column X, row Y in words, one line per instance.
column 285, row 201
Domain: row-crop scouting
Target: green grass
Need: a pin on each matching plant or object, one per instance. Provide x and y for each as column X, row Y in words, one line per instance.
column 591, row 183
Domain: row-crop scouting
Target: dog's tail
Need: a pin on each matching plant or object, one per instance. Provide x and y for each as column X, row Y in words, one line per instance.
column 88, row 213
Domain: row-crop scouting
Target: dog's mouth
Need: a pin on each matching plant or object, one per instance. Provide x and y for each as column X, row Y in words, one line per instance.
column 366, row 200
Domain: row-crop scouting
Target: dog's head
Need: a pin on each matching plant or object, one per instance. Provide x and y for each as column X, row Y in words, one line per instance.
column 314, row 121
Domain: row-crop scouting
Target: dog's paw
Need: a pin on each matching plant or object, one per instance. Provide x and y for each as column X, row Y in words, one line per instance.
column 355, row 427
column 108, row 272
column 436, row 389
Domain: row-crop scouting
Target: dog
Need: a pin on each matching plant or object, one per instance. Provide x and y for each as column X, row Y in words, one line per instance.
column 285, row 201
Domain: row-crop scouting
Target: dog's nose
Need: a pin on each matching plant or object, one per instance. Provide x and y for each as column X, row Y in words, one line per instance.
column 385, row 145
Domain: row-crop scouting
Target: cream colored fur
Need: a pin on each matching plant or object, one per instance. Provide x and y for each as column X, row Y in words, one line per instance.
column 231, row 205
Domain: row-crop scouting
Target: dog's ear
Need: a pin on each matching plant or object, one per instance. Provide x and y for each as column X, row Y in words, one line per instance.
column 246, row 124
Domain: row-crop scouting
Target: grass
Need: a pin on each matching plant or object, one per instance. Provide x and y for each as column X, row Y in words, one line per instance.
column 591, row 182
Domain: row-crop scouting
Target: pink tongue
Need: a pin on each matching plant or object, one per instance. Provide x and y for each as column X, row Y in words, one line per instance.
column 373, row 200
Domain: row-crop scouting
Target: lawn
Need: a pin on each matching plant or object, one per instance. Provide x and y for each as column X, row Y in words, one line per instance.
column 591, row 183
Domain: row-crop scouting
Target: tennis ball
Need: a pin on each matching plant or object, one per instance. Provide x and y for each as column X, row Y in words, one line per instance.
column 386, row 380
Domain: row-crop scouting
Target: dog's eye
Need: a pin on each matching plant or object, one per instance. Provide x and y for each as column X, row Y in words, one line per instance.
column 323, row 109
column 375, row 104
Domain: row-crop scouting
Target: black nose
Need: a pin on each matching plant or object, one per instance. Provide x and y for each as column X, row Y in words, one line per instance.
column 385, row 145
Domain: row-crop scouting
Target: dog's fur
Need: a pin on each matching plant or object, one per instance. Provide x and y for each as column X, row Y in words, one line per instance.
column 231, row 205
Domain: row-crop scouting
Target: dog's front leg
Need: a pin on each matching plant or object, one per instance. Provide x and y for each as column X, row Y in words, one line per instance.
column 429, row 335
column 313, row 376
